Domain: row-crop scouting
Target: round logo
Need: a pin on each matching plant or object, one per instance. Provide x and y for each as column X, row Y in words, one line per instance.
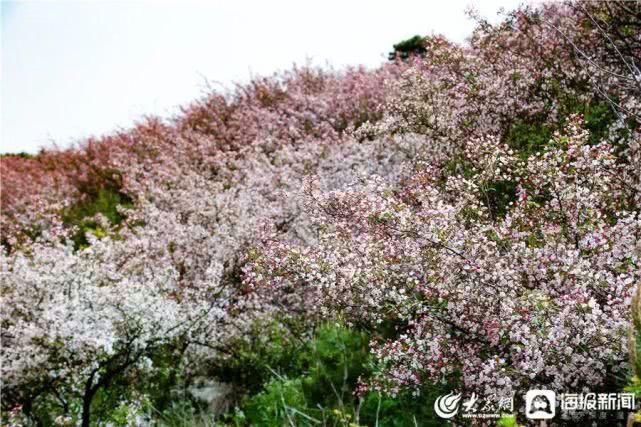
column 540, row 404
column 447, row 406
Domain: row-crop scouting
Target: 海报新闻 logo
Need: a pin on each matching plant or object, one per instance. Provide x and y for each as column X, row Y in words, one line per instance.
column 540, row 404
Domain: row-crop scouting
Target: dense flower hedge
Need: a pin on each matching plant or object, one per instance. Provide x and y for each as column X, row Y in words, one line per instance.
column 482, row 202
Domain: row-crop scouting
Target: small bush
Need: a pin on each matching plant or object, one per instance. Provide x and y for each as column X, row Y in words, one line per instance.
column 315, row 383
column 82, row 215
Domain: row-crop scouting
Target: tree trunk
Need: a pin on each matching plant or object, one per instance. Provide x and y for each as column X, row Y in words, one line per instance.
column 86, row 410
column 90, row 390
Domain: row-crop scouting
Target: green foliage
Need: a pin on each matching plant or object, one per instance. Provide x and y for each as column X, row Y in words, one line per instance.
column 21, row 154
column 530, row 135
column 314, row 383
column 635, row 344
column 134, row 393
column 499, row 195
column 270, row 347
column 599, row 116
column 184, row 413
column 507, row 421
column 406, row 409
column 299, row 380
column 282, row 400
column 106, row 202
column 334, row 361
column 140, row 391
column 526, row 137
column 412, row 46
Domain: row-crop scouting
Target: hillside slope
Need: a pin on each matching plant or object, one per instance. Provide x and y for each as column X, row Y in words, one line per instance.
column 469, row 214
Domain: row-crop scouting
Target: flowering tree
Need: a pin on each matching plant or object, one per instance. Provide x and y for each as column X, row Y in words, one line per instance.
column 508, row 266
column 538, row 297
column 484, row 200
column 77, row 319
column 74, row 321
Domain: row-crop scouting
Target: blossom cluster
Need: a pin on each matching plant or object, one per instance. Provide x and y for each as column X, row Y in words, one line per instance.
column 419, row 195
column 537, row 297
column 508, row 265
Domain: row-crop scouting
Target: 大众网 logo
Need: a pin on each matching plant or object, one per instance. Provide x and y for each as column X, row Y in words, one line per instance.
column 447, row 406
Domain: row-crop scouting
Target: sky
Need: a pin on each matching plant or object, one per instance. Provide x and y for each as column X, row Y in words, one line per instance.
column 73, row 69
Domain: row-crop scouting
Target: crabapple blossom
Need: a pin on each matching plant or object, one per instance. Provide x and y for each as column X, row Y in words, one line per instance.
column 482, row 201
column 538, row 297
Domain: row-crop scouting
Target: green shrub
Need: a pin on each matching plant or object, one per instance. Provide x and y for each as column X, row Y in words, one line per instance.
column 106, row 202
column 406, row 409
column 635, row 344
column 270, row 347
column 334, row 361
column 507, row 421
column 314, row 383
column 526, row 137
column 282, row 402
column 184, row 413
column 412, row 46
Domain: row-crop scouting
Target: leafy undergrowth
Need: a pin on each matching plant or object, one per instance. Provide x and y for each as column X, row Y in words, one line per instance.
column 314, row 381
column 106, row 202
column 473, row 212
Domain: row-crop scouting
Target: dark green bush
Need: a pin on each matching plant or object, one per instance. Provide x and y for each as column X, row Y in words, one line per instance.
column 412, row 46
column 106, row 202
column 314, row 383
column 527, row 137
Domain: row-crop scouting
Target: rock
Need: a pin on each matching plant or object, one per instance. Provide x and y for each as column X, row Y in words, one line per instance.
column 217, row 395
